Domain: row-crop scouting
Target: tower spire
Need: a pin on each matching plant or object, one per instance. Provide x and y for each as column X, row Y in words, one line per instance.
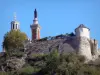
column 35, row 21
column 35, row 27
column 15, row 24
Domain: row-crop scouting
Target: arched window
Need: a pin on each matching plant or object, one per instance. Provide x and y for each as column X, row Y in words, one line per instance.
column 13, row 26
column 16, row 26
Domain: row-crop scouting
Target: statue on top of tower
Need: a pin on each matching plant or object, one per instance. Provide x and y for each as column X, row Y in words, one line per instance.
column 35, row 13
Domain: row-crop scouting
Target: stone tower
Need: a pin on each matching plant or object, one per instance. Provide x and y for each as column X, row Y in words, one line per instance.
column 94, row 46
column 35, row 27
column 83, row 41
column 15, row 24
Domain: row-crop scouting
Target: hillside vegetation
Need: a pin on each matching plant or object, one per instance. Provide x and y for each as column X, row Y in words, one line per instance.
column 47, row 64
column 17, row 61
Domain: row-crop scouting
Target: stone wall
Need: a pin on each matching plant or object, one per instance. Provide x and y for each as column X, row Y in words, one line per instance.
column 94, row 46
column 49, row 45
column 84, row 47
column 80, row 45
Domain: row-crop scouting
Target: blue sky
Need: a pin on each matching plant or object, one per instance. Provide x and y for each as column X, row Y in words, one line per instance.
column 55, row 16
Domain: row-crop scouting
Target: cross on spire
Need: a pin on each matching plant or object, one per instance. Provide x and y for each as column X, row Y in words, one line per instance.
column 14, row 16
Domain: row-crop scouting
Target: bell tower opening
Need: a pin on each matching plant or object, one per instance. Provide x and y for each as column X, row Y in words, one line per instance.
column 15, row 24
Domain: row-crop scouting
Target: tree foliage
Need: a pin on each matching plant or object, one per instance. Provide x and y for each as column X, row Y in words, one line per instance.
column 14, row 40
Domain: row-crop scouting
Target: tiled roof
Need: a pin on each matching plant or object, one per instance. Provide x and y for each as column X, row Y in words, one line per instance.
column 82, row 26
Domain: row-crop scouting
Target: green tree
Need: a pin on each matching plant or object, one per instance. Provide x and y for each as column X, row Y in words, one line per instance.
column 52, row 61
column 14, row 40
column 71, row 34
